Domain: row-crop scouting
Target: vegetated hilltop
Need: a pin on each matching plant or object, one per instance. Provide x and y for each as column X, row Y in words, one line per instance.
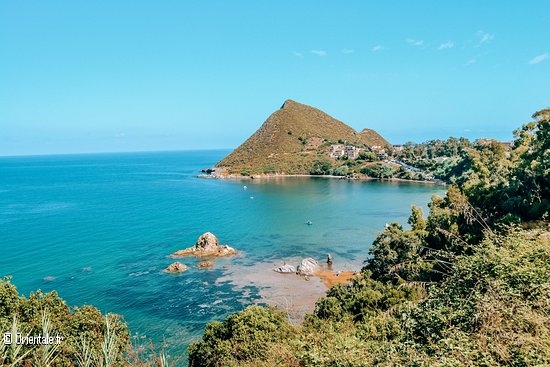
column 292, row 139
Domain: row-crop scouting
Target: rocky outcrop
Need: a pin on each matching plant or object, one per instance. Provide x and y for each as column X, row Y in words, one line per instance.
column 176, row 267
column 285, row 269
column 207, row 246
column 308, row 266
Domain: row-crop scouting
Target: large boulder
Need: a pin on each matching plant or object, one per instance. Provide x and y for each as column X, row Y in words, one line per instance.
column 207, row 246
column 176, row 267
column 285, row 269
column 207, row 242
column 308, row 266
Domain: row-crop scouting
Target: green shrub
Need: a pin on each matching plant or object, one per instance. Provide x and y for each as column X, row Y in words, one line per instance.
column 321, row 167
column 243, row 336
column 47, row 311
column 494, row 306
column 341, row 171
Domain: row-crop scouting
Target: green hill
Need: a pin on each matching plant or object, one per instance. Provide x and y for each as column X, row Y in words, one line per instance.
column 292, row 139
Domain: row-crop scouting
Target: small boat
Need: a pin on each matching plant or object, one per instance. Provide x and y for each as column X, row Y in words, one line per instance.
column 309, row 222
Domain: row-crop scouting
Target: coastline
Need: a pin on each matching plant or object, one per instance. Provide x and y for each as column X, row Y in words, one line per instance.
column 280, row 175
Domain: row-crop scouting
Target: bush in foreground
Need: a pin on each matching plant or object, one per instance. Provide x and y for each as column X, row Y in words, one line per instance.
column 81, row 336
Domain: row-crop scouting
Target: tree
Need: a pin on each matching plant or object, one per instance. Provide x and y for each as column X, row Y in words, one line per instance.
column 416, row 220
column 243, row 336
column 321, row 167
column 531, row 181
column 396, row 254
column 367, row 156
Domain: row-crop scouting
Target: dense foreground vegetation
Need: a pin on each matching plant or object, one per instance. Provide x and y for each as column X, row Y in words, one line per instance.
column 467, row 286
column 80, row 336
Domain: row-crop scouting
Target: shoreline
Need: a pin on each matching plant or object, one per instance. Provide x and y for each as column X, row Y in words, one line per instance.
column 279, row 175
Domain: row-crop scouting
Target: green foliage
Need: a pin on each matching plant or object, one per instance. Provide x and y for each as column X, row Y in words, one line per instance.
column 497, row 181
column 244, row 336
column 362, row 299
column 367, row 156
column 329, row 307
column 530, row 187
column 494, row 306
column 398, row 254
column 381, row 171
column 43, row 313
column 321, row 167
column 340, row 171
column 416, row 220
column 424, row 153
column 454, row 224
column 9, row 301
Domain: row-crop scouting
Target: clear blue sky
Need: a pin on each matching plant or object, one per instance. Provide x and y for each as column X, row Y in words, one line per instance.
column 93, row 76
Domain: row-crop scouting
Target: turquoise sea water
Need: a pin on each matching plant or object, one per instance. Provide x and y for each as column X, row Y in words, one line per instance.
column 98, row 229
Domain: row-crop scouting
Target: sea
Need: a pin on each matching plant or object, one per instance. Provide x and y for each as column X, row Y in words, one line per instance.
column 98, row 229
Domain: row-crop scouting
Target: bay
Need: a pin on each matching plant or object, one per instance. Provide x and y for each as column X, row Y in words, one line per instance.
column 98, row 229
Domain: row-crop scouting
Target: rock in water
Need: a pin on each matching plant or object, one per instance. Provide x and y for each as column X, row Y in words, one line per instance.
column 307, row 266
column 176, row 267
column 205, row 264
column 285, row 269
column 207, row 245
column 207, row 242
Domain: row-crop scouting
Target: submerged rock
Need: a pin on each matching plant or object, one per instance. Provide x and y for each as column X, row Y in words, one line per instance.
column 205, row 264
column 176, row 267
column 207, row 245
column 308, row 266
column 285, row 269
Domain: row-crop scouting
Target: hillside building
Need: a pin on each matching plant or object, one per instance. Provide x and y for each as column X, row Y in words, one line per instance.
column 379, row 151
column 337, row 151
column 352, row 151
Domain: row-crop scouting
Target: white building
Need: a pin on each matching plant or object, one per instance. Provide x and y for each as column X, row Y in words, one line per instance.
column 352, row 152
column 337, row 151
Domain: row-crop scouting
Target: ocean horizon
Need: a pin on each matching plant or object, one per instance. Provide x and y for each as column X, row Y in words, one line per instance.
column 98, row 229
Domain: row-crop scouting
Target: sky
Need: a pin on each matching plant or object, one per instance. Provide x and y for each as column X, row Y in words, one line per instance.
column 110, row 76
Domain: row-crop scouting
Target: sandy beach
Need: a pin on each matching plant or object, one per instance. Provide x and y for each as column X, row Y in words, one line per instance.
column 330, row 277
